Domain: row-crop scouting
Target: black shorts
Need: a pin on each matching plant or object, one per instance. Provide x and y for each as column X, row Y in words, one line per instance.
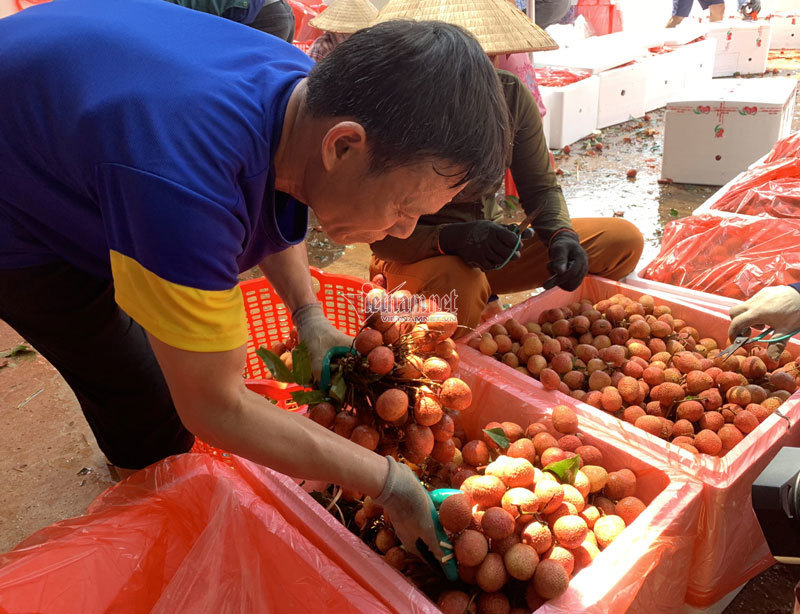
column 71, row 318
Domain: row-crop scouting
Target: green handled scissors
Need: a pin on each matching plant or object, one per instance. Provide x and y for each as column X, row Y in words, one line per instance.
column 448, row 564
column 744, row 339
column 336, row 351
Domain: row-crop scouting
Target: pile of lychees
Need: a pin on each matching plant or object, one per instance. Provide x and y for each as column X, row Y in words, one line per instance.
column 634, row 359
column 536, row 506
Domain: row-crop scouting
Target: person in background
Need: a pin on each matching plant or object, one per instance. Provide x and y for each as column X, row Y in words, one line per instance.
column 548, row 12
column 682, row 8
column 271, row 16
column 338, row 22
column 463, row 246
column 187, row 149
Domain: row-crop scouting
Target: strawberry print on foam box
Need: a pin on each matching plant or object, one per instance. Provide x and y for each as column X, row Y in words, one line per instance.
column 741, row 46
column 714, row 132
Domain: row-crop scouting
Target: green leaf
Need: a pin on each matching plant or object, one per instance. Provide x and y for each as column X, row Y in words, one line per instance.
column 17, row 350
column 673, row 213
column 338, row 387
column 301, row 364
column 308, row 397
column 279, row 370
column 498, row 435
column 565, row 470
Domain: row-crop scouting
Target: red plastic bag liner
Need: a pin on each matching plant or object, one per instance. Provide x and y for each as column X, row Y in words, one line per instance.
column 782, row 168
column 785, row 148
column 603, row 15
column 196, row 534
column 559, row 77
column 731, row 256
column 729, row 546
column 779, row 198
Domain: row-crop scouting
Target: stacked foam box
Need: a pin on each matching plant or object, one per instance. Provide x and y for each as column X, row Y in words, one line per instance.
column 716, row 131
column 785, row 30
column 729, row 545
column 741, row 46
column 571, row 111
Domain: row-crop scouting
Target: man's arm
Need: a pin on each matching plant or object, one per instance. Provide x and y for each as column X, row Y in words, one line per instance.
column 287, row 271
column 214, row 404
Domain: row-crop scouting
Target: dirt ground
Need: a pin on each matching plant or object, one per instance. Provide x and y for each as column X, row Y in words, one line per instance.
column 51, row 468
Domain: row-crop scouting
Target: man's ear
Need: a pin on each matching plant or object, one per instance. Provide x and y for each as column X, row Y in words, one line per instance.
column 342, row 143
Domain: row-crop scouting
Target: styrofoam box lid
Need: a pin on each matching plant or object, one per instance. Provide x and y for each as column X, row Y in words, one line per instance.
column 731, row 24
column 685, row 33
column 597, row 53
column 763, row 91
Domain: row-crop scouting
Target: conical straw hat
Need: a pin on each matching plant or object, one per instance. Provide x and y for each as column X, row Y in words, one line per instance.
column 499, row 26
column 346, row 16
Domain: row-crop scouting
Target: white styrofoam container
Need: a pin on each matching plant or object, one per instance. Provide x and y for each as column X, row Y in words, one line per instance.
column 684, row 33
column 597, row 53
column 741, row 46
column 697, row 63
column 753, row 59
column 785, row 31
column 572, row 110
column 664, row 77
column 621, row 95
column 716, row 131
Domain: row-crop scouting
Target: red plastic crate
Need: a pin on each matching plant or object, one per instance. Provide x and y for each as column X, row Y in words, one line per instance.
column 269, row 320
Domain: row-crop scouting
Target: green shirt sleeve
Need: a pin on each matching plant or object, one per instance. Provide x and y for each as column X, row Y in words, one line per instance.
column 530, row 162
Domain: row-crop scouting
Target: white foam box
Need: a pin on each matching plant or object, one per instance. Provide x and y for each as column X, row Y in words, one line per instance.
column 716, row 131
column 621, row 95
column 664, row 77
column 785, row 31
column 572, row 111
column 697, row 64
column 741, row 46
column 597, row 53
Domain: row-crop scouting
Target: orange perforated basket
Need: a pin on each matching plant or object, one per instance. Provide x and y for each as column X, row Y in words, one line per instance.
column 269, row 320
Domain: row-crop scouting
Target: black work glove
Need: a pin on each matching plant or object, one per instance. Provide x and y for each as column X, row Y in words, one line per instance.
column 568, row 262
column 751, row 6
column 482, row 244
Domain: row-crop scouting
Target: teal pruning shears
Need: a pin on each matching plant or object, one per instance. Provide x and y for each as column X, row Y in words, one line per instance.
column 744, row 339
column 448, row 563
column 335, row 352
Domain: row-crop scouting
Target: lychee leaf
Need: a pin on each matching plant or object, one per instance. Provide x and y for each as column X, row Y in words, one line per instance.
column 565, row 470
column 301, row 364
column 279, row 370
column 308, row 397
column 338, row 387
column 498, row 435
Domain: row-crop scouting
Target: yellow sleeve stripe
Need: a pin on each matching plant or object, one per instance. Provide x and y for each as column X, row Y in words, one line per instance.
column 180, row 316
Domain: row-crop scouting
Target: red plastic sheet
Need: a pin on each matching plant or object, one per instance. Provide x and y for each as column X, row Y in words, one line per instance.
column 782, row 168
column 729, row 546
column 779, row 198
column 731, row 256
column 194, row 534
column 603, row 15
column 558, row 77
column 785, row 148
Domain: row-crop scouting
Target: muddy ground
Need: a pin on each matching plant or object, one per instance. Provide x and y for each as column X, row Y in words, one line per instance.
column 51, row 468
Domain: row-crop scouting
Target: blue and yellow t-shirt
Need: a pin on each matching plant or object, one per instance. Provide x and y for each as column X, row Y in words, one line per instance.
column 136, row 142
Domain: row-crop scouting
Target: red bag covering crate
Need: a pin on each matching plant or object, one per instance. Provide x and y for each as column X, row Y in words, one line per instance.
column 730, row 547
column 558, row 77
column 785, row 148
column 602, row 15
column 731, row 256
column 779, row 198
